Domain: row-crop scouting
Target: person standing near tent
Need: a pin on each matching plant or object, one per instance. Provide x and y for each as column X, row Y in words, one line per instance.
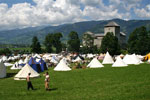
column 29, row 84
column 47, row 79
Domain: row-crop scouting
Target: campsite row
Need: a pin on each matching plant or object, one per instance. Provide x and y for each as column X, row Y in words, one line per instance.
column 38, row 63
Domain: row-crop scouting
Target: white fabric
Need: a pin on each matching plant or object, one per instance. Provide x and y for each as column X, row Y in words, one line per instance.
column 37, row 60
column 77, row 59
column 23, row 73
column 2, row 70
column 54, row 60
column 16, row 66
column 95, row 64
column 62, row 66
column 26, row 60
column 137, row 58
column 37, row 56
column 107, row 59
column 4, row 58
column 8, row 64
column 90, row 55
column 20, row 61
column 131, row 59
column 119, row 63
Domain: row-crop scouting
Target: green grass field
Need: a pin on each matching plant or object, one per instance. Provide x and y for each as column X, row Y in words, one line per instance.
column 129, row 83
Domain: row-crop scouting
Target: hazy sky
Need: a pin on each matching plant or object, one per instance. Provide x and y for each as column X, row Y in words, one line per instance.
column 27, row 13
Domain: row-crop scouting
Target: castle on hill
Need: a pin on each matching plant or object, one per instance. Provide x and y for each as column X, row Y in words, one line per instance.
column 110, row 27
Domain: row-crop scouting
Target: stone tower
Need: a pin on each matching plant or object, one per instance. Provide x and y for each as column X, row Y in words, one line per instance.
column 112, row 27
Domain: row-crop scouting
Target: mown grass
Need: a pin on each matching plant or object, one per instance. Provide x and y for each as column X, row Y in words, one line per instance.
column 129, row 83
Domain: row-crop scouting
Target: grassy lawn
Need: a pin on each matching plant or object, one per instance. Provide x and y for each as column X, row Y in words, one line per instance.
column 129, row 83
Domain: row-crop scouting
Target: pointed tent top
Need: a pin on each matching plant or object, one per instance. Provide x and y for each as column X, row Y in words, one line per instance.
column 95, row 64
column 41, row 61
column 119, row 63
column 108, row 59
column 22, row 74
column 32, row 61
column 112, row 24
column 62, row 66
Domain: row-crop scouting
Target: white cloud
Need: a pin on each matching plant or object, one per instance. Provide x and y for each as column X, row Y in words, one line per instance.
column 116, row 2
column 45, row 12
column 54, row 12
column 143, row 13
column 148, row 7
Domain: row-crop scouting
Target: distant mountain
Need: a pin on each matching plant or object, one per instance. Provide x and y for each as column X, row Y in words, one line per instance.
column 24, row 36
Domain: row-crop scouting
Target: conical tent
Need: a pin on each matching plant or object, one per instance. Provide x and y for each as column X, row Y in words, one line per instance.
column 127, row 59
column 16, row 66
column 62, row 66
column 119, row 63
column 108, row 59
column 54, row 60
column 23, row 73
column 21, row 63
column 138, row 60
column 2, row 70
column 77, row 59
column 42, row 64
column 131, row 59
column 8, row 64
column 95, row 64
column 26, row 60
column 34, row 65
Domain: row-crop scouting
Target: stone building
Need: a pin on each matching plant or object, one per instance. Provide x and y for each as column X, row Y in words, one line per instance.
column 110, row 27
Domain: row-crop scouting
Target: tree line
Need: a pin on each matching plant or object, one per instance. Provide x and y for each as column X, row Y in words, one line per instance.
column 138, row 43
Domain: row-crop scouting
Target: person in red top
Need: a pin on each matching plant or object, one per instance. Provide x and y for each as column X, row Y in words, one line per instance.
column 29, row 84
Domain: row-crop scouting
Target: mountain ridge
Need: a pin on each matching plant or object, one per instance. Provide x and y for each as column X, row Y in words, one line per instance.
column 24, row 36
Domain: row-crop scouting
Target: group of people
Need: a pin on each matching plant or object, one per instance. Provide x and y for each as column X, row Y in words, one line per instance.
column 47, row 79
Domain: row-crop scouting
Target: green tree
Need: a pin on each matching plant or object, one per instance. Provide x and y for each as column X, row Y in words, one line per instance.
column 110, row 44
column 73, row 42
column 35, row 46
column 5, row 51
column 48, row 43
column 138, row 41
column 87, row 40
column 53, row 43
column 56, row 42
column 88, row 44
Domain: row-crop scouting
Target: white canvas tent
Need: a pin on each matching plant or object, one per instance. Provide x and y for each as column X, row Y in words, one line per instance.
column 128, row 59
column 108, row 59
column 137, row 58
column 2, row 70
column 20, row 61
column 131, row 59
column 8, row 64
column 23, row 73
column 119, row 63
column 4, row 58
column 26, row 60
column 16, row 66
column 95, row 64
column 77, row 59
column 54, row 60
column 62, row 66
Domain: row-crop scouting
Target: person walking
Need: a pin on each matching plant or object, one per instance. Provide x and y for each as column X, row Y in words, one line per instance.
column 29, row 84
column 47, row 79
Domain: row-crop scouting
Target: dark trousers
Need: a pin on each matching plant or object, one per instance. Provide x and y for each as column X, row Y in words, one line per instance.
column 29, row 85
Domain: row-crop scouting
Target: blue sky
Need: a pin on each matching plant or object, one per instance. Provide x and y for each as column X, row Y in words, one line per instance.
column 30, row 13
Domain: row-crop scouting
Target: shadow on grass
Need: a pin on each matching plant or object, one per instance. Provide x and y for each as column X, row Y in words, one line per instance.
column 10, row 75
column 53, row 89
